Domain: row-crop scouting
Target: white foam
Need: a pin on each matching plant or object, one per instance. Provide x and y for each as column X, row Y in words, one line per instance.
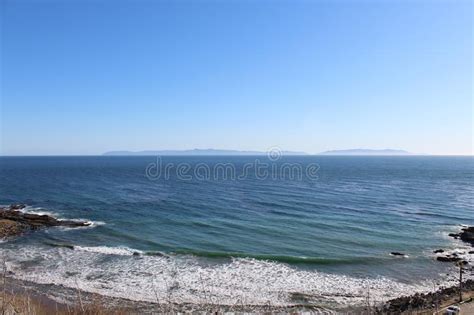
column 458, row 247
column 89, row 223
column 96, row 223
column 461, row 252
column 38, row 211
column 183, row 279
column 125, row 251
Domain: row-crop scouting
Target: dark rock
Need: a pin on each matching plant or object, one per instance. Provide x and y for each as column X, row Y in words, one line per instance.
column 39, row 220
column 69, row 246
column 448, row 259
column 466, row 235
column 471, row 252
column 397, row 254
column 439, row 251
column 17, row 206
column 422, row 301
column 15, row 222
column 136, row 254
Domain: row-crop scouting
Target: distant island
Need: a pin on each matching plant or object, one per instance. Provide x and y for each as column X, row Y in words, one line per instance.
column 211, row 152
column 366, row 152
column 197, row 152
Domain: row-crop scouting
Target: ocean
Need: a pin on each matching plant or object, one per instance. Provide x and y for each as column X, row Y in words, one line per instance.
column 240, row 229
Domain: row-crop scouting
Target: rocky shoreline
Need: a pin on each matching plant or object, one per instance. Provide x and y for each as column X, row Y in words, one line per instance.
column 426, row 301
column 14, row 222
column 430, row 301
column 458, row 256
column 466, row 235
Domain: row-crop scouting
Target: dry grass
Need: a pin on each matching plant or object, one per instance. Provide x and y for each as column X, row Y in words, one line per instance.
column 28, row 303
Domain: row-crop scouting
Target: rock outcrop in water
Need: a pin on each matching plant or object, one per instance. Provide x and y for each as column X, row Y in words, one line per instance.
column 448, row 258
column 15, row 222
column 466, row 235
column 397, row 254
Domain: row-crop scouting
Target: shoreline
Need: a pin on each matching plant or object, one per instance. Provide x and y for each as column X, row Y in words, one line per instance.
column 58, row 297
column 431, row 301
column 46, row 299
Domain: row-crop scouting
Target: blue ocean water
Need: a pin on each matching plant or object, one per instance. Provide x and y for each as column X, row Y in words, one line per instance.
column 264, row 234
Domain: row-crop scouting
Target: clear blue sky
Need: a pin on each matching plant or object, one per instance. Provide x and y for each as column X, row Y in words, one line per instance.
column 84, row 77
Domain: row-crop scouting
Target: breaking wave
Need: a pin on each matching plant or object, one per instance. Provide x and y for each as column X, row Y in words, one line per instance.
column 119, row 272
column 42, row 211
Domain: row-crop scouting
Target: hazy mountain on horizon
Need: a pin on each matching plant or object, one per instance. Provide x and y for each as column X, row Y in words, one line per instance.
column 197, row 152
column 366, row 152
column 201, row 152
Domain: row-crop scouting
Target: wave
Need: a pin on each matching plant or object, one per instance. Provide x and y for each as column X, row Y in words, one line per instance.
column 38, row 211
column 90, row 223
column 183, row 279
column 127, row 251
column 443, row 216
column 123, row 251
column 279, row 258
column 108, row 250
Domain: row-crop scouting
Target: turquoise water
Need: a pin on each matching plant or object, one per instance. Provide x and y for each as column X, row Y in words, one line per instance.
column 333, row 230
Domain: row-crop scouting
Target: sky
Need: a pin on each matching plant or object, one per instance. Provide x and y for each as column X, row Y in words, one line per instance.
column 86, row 77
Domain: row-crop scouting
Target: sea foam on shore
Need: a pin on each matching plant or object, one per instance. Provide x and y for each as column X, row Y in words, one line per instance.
column 117, row 272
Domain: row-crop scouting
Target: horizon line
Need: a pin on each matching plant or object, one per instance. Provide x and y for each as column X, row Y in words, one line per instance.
column 238, row 155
